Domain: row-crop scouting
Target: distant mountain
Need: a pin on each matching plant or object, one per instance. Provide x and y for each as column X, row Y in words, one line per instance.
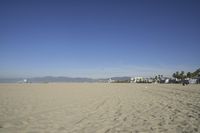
column 58, row 79
column 121, row 78
column 10, row 80
column 47, row 79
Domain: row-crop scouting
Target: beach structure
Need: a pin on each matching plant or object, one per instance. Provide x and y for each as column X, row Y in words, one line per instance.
column 141, row 80
column 148, row 80
column 25, row 81
column 172, row 80
column 138, row 79
column 167, row 80
column 110, row 80
column 132, row 80
column 162, row 79
column 195, row 80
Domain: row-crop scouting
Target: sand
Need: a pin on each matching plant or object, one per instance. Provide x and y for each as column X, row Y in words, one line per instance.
column 99, row 108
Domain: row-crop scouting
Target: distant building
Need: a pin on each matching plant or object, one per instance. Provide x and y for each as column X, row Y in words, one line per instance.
column 138, row 80
column 167, row 80
column 148, row 80
column 195, row 80
column 111, row 81
column 132, row 80
column 141, row 80
column 162, row 79
column 25, row 81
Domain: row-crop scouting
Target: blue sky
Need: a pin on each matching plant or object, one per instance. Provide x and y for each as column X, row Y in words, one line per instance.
column 98, row 38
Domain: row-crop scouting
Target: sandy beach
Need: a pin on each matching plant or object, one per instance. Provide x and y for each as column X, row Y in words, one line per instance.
column 99, row 108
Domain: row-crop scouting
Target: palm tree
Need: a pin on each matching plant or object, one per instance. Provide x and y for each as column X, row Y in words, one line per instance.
column 174, row 75
column 196, row 73
column 177, row 75
column 182, row 74
column 189, row 75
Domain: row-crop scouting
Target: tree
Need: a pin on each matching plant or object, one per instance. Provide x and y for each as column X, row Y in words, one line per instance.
column 174, row 75
column 189, row 75
column 196, row 73
column 182, row 75
column 177, row 75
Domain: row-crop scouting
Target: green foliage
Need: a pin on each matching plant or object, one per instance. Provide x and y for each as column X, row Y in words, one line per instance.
column 189, row 75
column 182, row 75
column 174, row 75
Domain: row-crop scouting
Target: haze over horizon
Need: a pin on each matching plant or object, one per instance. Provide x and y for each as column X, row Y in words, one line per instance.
column 98, row 39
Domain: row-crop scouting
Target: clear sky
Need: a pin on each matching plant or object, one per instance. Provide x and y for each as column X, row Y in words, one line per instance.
column 98, row 38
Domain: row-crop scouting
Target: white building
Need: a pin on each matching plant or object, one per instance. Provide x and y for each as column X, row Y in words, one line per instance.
column 111, row 81
column 192, row 81
column 138, row 79
column 25, row 81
